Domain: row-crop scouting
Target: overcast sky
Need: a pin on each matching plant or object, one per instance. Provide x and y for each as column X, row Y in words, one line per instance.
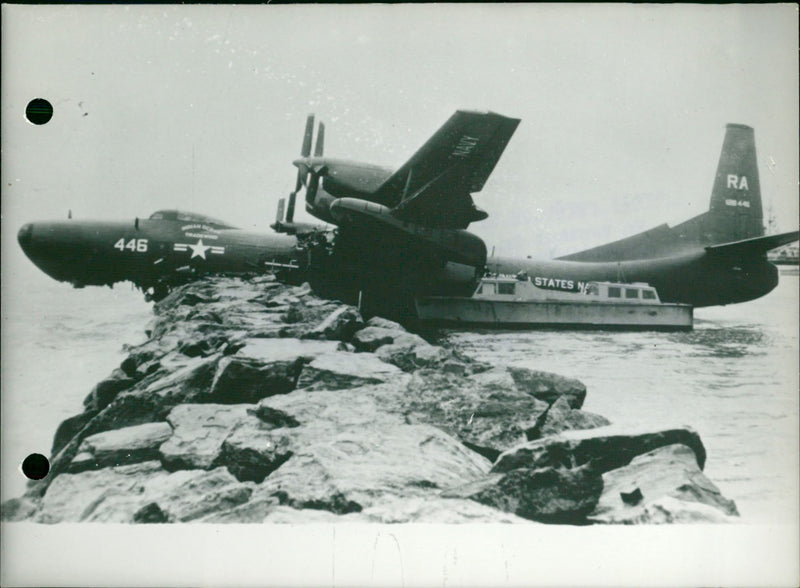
column 623, row 107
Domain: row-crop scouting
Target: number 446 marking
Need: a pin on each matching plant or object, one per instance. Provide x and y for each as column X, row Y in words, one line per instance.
column 138, row 245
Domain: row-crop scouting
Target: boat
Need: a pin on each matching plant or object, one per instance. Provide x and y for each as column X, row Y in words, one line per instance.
column 503, row 301
column 787, row 258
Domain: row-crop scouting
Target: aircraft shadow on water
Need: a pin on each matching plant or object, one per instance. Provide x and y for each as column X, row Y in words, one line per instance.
column 402, row 233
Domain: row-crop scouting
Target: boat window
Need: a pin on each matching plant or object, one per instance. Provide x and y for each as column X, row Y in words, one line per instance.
column 631, row 293
column 648, row 295
column 505, row 288
column 486, row 288
column 614, row 292
column 592, row 290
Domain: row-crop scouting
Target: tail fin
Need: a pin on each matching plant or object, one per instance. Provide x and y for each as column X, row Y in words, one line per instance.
column 735, row 212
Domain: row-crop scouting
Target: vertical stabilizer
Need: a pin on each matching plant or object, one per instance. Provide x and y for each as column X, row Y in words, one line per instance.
column 735, row 212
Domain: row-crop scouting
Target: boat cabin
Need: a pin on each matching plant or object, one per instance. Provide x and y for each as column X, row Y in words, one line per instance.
column 523, row 288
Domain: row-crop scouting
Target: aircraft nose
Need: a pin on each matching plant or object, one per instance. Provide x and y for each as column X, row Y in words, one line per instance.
column 25, row 235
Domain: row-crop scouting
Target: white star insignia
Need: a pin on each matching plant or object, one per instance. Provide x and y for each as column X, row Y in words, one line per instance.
column 199, row 250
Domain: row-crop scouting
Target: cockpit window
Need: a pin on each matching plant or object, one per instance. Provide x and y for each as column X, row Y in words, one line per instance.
column 189, row 217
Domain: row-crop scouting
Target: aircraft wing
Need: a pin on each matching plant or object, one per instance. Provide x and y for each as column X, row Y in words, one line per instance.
column 434, row 186
column 754, row 246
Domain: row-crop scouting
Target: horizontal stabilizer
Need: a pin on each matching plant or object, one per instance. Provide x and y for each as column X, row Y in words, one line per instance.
column 755, row 246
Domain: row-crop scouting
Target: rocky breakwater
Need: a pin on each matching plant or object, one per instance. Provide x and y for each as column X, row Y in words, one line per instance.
column 253, row 401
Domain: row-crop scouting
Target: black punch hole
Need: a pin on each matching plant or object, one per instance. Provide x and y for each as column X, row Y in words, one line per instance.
column 36, row 466
column 39, row 111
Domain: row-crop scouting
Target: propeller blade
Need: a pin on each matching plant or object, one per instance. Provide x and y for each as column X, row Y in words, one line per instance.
column 290, row 208
column 311, row 191
column 279, row 216
column 306, row 150
column 320, row 141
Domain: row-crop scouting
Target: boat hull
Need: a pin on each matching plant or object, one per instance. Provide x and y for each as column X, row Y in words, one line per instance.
column 472, row 312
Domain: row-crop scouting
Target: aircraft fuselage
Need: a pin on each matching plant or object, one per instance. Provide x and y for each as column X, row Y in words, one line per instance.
column 698, row 278
column 146, row 251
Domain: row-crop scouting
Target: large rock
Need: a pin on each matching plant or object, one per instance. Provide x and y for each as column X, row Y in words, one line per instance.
column 264, row 367
column 547, row 386
column 393, row 344
column 254, row 510
column 182, row 379
column 240, row 380
column 488, row 421
column 269, row 350
column 70, row 427
column 551, row 495
column 412, row 355
column 635, row 493
column 187, row 496
column 76, row 497
column 318, row 415
column 361, row 466
column 187, row 380
column 371, row 338
column 339, row 325
column 253, row 450
column 496, row 379
column 106, row 390
column 142, row 492
column 240, row 315
column 334, row 371
column 121, row 446
column 204, row 345
column 199, row 430
column 560, row 417
column 607, row 448
column 379, row 321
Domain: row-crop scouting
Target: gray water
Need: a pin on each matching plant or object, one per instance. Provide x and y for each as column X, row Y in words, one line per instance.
column 57, row 343
column 734, row 378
